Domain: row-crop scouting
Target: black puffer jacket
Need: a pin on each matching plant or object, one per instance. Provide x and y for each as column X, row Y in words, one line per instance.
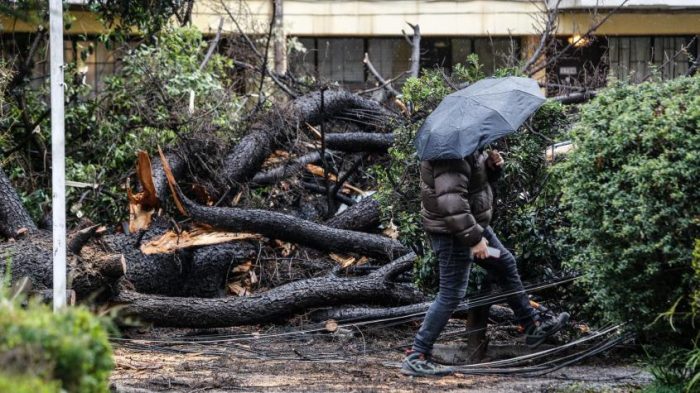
column 456, row 197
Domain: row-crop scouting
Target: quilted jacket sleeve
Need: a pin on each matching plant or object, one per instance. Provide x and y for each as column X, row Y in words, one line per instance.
column 451, row 184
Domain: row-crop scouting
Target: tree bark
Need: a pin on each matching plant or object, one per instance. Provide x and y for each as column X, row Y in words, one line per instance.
column 198, row 272
column 13, row 216
column 292, row 229
column 285, row 171
column 359, row 141
column 278, row 128
column 272, row 305
column 177, row 165
column 362, row 216
column 93, row 272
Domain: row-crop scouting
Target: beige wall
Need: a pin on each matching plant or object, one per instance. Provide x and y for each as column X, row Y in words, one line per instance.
column 454, row 18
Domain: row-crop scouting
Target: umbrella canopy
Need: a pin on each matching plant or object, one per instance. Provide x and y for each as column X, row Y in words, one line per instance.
column 475, row 116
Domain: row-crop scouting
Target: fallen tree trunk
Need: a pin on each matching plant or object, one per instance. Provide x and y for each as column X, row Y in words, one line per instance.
column 279, row 127
column 362, row 216
column 200, row 271
column 292, row 229
column 92, row 272
column 97, row 267
column 497, row 313
column 355, row 142
column 272, row 305
column 14, row 218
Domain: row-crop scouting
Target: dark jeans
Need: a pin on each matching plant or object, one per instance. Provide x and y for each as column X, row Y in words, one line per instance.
column 455, row 263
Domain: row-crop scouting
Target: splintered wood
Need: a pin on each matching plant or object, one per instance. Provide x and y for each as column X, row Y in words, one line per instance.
column 142, row 205
column 172, row 241
column 346, row 261
column 276, row 158
column 243, row 278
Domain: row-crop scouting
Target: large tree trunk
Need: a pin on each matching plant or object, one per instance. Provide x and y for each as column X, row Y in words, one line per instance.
column 362, row 216
column 97, row 266
column 13, row 216
column 272, row 305
column 200, row 272
column 92, row 272
column 279, row 127
column 292, row 229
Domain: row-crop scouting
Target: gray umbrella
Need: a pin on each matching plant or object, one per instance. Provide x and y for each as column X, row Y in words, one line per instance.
column 475, row 116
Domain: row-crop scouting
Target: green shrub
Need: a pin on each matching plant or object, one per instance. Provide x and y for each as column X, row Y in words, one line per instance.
column 26, row 384
column 631, row 187
column 69, row 349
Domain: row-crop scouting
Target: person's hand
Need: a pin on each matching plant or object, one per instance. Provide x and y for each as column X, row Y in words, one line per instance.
column 480, row 251
column 495, row 160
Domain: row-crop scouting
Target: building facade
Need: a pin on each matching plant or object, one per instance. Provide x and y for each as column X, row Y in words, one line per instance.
column 633, row 38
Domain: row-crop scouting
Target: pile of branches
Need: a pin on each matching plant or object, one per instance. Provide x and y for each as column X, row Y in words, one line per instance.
column 293, row 227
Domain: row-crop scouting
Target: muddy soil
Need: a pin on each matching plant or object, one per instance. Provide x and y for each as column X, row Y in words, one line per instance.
column 362, row 359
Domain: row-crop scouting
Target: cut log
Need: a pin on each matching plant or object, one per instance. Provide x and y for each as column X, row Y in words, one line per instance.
column 14, row 218
column 364, row 313
column 362, row 216
column 292, row 229
column 359, row 141
column 279, row 127
column 275, row 304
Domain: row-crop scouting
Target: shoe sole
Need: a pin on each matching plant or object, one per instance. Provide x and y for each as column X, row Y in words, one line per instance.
column 564, row 320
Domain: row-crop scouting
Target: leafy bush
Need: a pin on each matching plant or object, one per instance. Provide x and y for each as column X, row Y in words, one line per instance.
column 631, row 189
column 26, row 384
column 69, row 349
column 524, row 214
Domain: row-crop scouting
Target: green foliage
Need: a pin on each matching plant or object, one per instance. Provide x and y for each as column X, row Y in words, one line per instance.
column 27, row 384
column 129, row 17
column 69, row 349
column 145, row 104
column 631, row 189
column 520, row 200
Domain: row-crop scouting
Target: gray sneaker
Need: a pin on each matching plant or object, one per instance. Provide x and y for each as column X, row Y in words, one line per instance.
column 418, row 365
column 538, row 333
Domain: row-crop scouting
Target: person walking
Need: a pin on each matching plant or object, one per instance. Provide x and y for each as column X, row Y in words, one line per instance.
column 457, row 205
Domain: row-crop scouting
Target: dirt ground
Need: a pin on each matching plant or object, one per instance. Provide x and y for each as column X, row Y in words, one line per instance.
column 277, row 359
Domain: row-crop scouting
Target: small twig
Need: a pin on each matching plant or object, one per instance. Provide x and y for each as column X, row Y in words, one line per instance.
column 344, row 177
column 378, row 76
column 593, row 28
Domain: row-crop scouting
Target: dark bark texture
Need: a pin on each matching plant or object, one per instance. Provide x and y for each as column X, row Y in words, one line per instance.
column 200, row 272
column 292, row 229
column 278, row 128
column 94, row 271
column 360, row 141
column 13, row 215
column 362, row 216
column 272, row 305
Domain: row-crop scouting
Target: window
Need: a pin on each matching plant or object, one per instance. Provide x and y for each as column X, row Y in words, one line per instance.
column 340, row 59
column 632, row 57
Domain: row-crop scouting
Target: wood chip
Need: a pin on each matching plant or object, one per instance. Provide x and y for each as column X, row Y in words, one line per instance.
column 331, row 325
column 142, row 205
